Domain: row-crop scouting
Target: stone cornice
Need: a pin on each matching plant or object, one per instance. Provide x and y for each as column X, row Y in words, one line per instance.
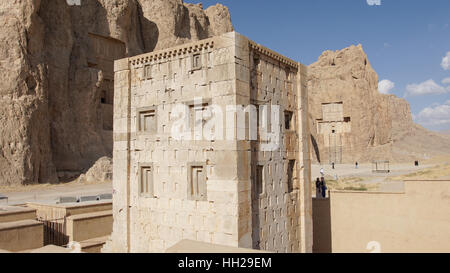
column 272, row 54
column 173, row 52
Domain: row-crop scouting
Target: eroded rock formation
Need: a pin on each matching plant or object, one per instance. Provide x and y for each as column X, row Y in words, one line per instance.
column 351, row 121
column 56, row 63
column 102, row 171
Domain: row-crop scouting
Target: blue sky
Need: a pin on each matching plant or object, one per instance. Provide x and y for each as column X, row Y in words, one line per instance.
column 406, row 41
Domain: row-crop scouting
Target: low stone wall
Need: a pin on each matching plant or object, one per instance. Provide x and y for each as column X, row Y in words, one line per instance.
column 11, row 214
column 24, row 229
column 89, row 225
column 68, row 222
column 417, row 220
column 58, row 211
column 94, row 245
column 21, row 235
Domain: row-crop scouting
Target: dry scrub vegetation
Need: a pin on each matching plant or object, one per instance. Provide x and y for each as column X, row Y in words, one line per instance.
column 441, row 171
column 347, row 184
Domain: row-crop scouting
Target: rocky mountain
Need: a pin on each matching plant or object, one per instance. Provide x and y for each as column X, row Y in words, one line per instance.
column 351, row 121
column 56, row 64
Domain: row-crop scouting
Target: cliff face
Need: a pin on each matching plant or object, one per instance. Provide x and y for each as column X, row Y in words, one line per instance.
column 169, row 23
column 24, row 137
column 351, row 121
column 57, row 75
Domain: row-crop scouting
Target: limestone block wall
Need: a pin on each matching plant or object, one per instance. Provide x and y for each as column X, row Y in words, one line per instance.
column 304, row 172
column 168, row 216
column 155, row 215
column 275, row 210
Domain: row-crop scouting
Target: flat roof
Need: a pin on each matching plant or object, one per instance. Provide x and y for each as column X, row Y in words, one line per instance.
column 206, row 43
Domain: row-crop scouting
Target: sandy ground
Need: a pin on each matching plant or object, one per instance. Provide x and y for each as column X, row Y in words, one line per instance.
column 365, row 170
column 50, row 193
column 347, row 175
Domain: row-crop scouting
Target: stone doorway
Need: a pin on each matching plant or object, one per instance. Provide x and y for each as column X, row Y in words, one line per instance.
column 335, row 148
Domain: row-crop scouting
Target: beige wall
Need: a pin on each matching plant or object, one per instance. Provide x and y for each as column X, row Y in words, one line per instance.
column 93, row 248
column 59, row 211
column 21, row 235
column 11, row 214
column 78, row 222
column 89, row 225
column 94, row 245
column 417, row 220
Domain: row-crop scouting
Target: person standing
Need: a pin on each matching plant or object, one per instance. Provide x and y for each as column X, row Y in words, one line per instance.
column 332, row 165
column 356, row 165
column 318, row 188
column 323, row 187
column 321, row 171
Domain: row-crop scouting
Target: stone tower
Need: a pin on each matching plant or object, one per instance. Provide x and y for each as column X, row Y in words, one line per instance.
column 211, row 144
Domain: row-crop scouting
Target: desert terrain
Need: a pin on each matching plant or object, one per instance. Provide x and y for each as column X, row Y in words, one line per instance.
column 363, row 179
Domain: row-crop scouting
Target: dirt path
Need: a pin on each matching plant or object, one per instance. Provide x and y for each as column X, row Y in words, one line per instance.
column 365, row 170
column 50, row 193
column 366, row 176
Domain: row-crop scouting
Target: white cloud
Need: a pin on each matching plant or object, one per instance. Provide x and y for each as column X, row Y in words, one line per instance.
column 446, row 62
column 385, row 86
column 438, row 115
column 446, row 81
column 425, row 88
